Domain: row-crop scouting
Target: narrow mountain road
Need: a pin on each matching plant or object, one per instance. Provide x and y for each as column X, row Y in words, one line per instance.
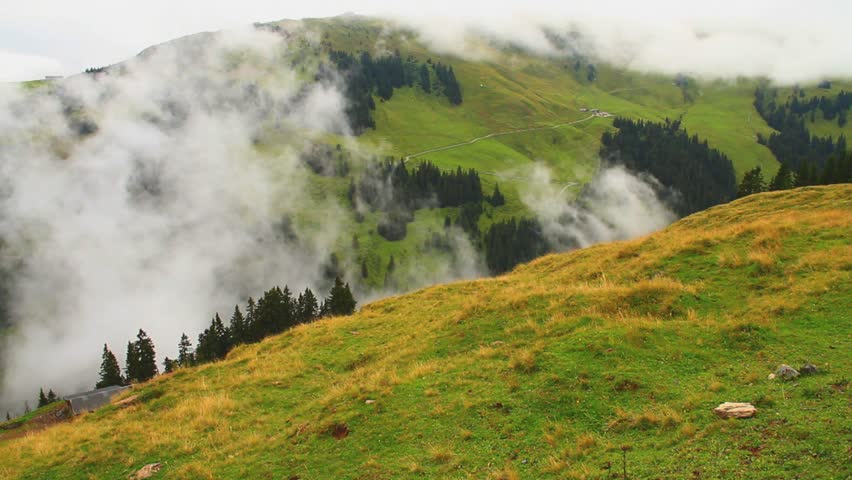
column 497, row 134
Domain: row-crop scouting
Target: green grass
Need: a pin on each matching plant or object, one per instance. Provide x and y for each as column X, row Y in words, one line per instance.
column 723, row 114
column 546, row 372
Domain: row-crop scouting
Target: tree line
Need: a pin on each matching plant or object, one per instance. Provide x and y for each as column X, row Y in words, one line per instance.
column 276, row 311
column 510, row 243
column 792, row 144
column 366, row 76
column 835, row 171
column 390, row 187
column 702, row 176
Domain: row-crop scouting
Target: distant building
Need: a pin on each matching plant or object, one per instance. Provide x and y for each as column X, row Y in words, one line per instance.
column 584, row 109
column 53, row 78
column 92, row 400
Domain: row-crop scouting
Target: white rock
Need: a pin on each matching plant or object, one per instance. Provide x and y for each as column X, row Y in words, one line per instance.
column 735, row 410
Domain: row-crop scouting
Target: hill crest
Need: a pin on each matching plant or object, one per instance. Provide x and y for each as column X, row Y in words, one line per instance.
column 544, row 372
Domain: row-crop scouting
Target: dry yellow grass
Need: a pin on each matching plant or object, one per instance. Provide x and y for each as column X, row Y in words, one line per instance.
column 423, row 348
column 523, row 361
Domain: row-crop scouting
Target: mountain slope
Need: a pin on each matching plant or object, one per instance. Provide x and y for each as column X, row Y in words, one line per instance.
column 546, row 372
column 508, row 89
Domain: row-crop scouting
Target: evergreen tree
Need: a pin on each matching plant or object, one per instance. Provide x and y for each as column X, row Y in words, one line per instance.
column 752, row 183
column 250, row 319
column 131, row 364
column 146, row 357
column 223, row 336
column 51, row 396
column 186, row 358
column 307, row 307
column 425, row 83
column 509, row 243
column 453, row 89
column 806, row 175
column 212, row 342
column 27, row 408
column 169, row 365
column 110, row 374
column 238, row 330
column 497, row 198
column 340, row 300
column 8, row 417
column 783, row 180
column 42, row 398
column 364, row 272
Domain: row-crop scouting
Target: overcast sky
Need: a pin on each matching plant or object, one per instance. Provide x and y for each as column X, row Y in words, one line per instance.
column 42, row 37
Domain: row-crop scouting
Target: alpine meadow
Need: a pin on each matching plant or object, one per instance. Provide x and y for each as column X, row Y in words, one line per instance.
column 539, row 241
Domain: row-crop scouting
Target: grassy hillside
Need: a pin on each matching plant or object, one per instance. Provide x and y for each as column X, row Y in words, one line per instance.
column 555, row 370
column 513, row 91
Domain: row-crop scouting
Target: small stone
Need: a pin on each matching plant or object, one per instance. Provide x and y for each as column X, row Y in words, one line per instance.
column 735, row 410
column 147, row 471
column 786, row 372
column 808, row 369
column 127, row 401
column 370, row 402
column 771, row 376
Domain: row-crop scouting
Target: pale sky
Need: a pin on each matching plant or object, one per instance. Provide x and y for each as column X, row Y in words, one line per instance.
column 44, row 37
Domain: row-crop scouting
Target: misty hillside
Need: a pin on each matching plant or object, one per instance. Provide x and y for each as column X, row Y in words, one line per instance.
column 214, row 167
column 555, row 370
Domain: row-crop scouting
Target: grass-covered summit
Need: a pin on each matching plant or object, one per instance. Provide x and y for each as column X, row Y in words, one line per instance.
column 555, row 370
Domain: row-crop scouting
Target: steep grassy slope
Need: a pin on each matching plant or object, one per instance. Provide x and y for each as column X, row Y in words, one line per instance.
column 547, row 372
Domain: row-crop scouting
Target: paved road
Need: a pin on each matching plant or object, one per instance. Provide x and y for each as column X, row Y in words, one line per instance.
column 497, row 134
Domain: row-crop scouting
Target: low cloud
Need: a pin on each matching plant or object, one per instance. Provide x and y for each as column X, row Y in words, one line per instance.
column 137, row 199
column 616, row 205
column 782, row 49
column 16, row 67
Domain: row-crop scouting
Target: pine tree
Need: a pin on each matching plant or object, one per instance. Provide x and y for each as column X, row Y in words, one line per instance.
column 453, row 89
column 27, row 408
column 51, row 396
column 425, row 83
column 497, row 197
column 238, row 329
column 783, row 180
column 340, row 300
column 8, row 417
column 223, row 337
column 146, row 357
column 110, row 374
column 131, row 364
column 186, row 358
column 42, row 398
column 169, row 365
column 251, row 319
column 752, row 183
column 308, row 310
column 364, row 272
